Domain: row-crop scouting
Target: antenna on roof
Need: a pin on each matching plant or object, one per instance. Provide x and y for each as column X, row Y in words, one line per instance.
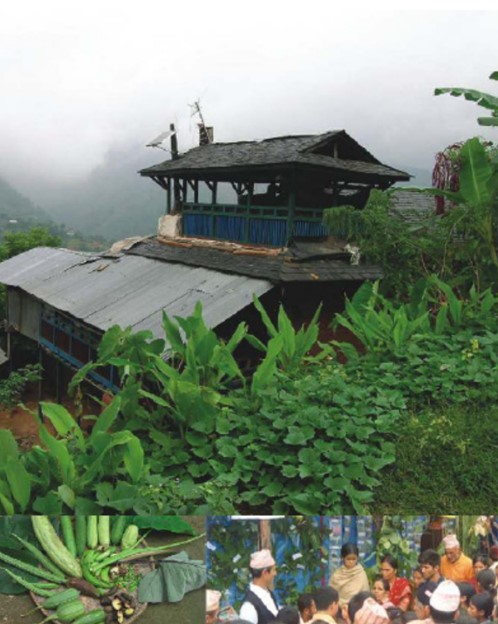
column 206, row 133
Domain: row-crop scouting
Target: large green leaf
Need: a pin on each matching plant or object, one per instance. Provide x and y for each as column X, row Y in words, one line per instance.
column 19, row 481
column 482, row 99
column 106, row 419
column 8, row 446
column 62, row 420
column 58, row 450
column 476, row 171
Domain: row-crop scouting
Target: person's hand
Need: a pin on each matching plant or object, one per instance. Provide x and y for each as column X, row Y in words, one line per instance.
column 345, row 614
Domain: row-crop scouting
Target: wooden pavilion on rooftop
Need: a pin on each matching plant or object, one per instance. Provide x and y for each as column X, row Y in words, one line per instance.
column 302, row 175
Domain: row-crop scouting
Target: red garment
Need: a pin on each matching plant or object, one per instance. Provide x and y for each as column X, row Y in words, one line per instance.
column 400, row 593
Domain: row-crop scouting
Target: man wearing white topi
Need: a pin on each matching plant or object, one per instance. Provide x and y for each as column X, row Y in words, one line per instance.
column 260, row 605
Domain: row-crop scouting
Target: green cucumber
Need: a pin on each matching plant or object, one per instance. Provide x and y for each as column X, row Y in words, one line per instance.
column 104, row 531
column 68, row 595
column 70, row 611
column 92, row 536
column 80, row 522
column 92, row 617
column 118, row 528
column 130, row 537
column 68, row 534
column 54, row 548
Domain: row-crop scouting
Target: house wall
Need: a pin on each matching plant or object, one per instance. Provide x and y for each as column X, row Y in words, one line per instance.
column 23, row 312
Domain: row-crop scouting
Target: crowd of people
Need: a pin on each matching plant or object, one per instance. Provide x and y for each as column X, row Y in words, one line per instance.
column 447, row 589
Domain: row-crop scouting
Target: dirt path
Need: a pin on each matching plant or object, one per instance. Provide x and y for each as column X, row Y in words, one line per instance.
column 24, row 425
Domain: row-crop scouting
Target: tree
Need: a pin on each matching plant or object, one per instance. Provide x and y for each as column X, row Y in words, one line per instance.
column 17, row 242
column 490, row 102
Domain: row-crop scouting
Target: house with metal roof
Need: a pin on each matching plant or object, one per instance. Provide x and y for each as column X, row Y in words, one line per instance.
column 269, row 242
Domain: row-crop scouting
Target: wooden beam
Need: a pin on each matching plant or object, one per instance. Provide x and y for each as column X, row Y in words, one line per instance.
column 161, row 181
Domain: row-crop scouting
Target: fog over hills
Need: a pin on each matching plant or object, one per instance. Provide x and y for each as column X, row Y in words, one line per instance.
column 113, row 200
column 15, row 205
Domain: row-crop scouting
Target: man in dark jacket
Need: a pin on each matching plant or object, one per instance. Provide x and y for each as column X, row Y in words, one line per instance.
column 260, row 605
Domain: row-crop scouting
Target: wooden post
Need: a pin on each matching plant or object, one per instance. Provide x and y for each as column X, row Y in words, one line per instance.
column 291, row 207
column 168, row 197
column 173, row 143
column 57, row 381
column 264, row 534
column 40, row 381
column 215, row 192
column 196, row 191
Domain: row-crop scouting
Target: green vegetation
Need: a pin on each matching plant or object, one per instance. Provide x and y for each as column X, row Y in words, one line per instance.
column 12, row 388
column 305, row 433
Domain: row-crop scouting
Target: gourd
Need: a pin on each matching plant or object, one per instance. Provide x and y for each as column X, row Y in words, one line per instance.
column 104, row 531
column 92, row 538
column 53, row 546
column 70, row 611
column 92, row 617
column 68, row 595
column 68, row 533
column 130, row 537
column 80, row 522
column 118, row 528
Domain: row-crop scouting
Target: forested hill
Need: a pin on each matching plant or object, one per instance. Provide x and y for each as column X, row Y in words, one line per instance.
column 15, row 206
column 113, row 201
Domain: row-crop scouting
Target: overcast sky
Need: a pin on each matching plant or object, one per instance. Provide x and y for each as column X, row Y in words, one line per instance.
column 78, row 78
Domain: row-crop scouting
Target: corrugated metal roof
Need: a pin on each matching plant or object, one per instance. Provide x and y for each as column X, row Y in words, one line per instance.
column 128, row 290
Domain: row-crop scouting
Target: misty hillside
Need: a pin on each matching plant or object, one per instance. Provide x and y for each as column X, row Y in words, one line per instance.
column 14, row 205
column 113, row 201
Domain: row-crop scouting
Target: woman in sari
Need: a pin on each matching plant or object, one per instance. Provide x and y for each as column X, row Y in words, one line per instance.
column 350, row 578
column 400, row 592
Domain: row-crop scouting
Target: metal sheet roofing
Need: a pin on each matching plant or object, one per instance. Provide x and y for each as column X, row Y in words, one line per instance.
column 127, row 290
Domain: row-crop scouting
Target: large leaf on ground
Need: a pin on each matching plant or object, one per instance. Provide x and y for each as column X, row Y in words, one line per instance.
column 15, row 525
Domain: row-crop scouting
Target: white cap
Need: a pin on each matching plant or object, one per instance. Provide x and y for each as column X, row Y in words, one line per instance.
column 212, row 600
column 446, row 597
column 261, row 559
column 451, row 541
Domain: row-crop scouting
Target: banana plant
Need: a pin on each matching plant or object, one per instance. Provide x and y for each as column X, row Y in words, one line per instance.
column 490, row 102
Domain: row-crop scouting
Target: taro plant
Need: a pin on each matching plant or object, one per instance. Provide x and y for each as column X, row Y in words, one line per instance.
column 70, row 464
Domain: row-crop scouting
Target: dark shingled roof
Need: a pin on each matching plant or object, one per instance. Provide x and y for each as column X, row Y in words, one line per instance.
column 282, row 152
column 276, row 269
column 412, row 206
